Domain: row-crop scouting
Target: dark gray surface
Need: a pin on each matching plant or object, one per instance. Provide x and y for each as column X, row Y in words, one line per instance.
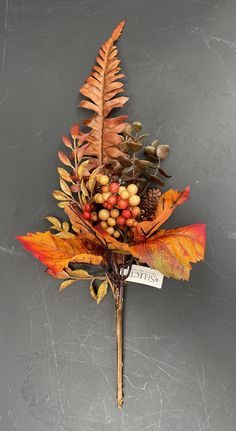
column 58, row 350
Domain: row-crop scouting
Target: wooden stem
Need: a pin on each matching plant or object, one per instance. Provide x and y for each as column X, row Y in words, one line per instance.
column 119, row 339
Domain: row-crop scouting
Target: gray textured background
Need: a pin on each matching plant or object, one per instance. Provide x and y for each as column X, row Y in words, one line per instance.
column 58, row 350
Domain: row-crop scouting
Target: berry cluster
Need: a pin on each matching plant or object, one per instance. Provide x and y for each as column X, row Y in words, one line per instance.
column 114, row 206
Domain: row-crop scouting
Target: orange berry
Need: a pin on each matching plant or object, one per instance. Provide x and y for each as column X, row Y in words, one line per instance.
column 94, row 217
column 130, row 222
column 135, row 211
column 116, row 234
column 105, row 189
column 104, row 224
column 114, row 213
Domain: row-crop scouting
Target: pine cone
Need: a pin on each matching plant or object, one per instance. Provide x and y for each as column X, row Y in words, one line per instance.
column 149, row 203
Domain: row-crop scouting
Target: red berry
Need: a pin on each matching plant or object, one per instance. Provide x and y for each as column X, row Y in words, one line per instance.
column 86, row 215
column 112, row 200
column 120, row 220
column 114, row 187
column 126, row 213
column 122, row 203
column 105, row 205
column 109, row 206
column 87, row 208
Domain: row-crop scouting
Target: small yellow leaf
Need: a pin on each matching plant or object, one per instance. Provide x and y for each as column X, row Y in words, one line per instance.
column 65, row 235
column 101, row 292
column 91, row 291
column 81, row 169
column 65, row 175
column 62, row 204
column 65, row 226
column 60, row 196
column 65, row 188
column 80, row 273
column 55, row 222
column 92, row 179
column 65, row 284
column 83, row 188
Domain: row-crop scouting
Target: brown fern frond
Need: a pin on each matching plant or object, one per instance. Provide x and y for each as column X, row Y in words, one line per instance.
column 102, row 88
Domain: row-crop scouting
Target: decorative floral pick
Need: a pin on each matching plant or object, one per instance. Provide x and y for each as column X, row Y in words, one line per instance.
column 110, row 192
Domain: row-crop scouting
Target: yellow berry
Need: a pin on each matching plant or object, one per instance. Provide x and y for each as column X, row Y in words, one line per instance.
column 106, row 195
column 111, row 221
column 110, row 230
column 103, row 180
column 104, row 224
column 124, row 194
column 98, row 198
column 103, row 214
column 114, row 213
column 134, row 200
column 121, row 189
column 135, row 211
column 132, row 189
column 116, row 234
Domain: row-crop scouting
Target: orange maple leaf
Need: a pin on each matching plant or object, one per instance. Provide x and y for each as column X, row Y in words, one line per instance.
column 56, row 252
column 171, row 251
column 166, row 205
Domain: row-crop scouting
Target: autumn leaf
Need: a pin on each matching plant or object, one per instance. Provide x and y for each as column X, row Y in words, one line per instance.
column 112, row 243
column 172, row 251
column 101, row 89
column 65, row 284
column 99, row 293
column 166, row 205
column 82, row 227
column 56, row 252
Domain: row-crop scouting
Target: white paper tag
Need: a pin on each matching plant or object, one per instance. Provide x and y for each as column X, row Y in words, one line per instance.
column 144, row 275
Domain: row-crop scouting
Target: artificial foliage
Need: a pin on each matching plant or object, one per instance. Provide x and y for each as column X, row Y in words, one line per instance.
column 110, row 191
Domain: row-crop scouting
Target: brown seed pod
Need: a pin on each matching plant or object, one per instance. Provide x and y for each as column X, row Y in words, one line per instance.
column 137, row 126
column 150, row 151
column 142, row 164
column 163, row 151
column 134, row 146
